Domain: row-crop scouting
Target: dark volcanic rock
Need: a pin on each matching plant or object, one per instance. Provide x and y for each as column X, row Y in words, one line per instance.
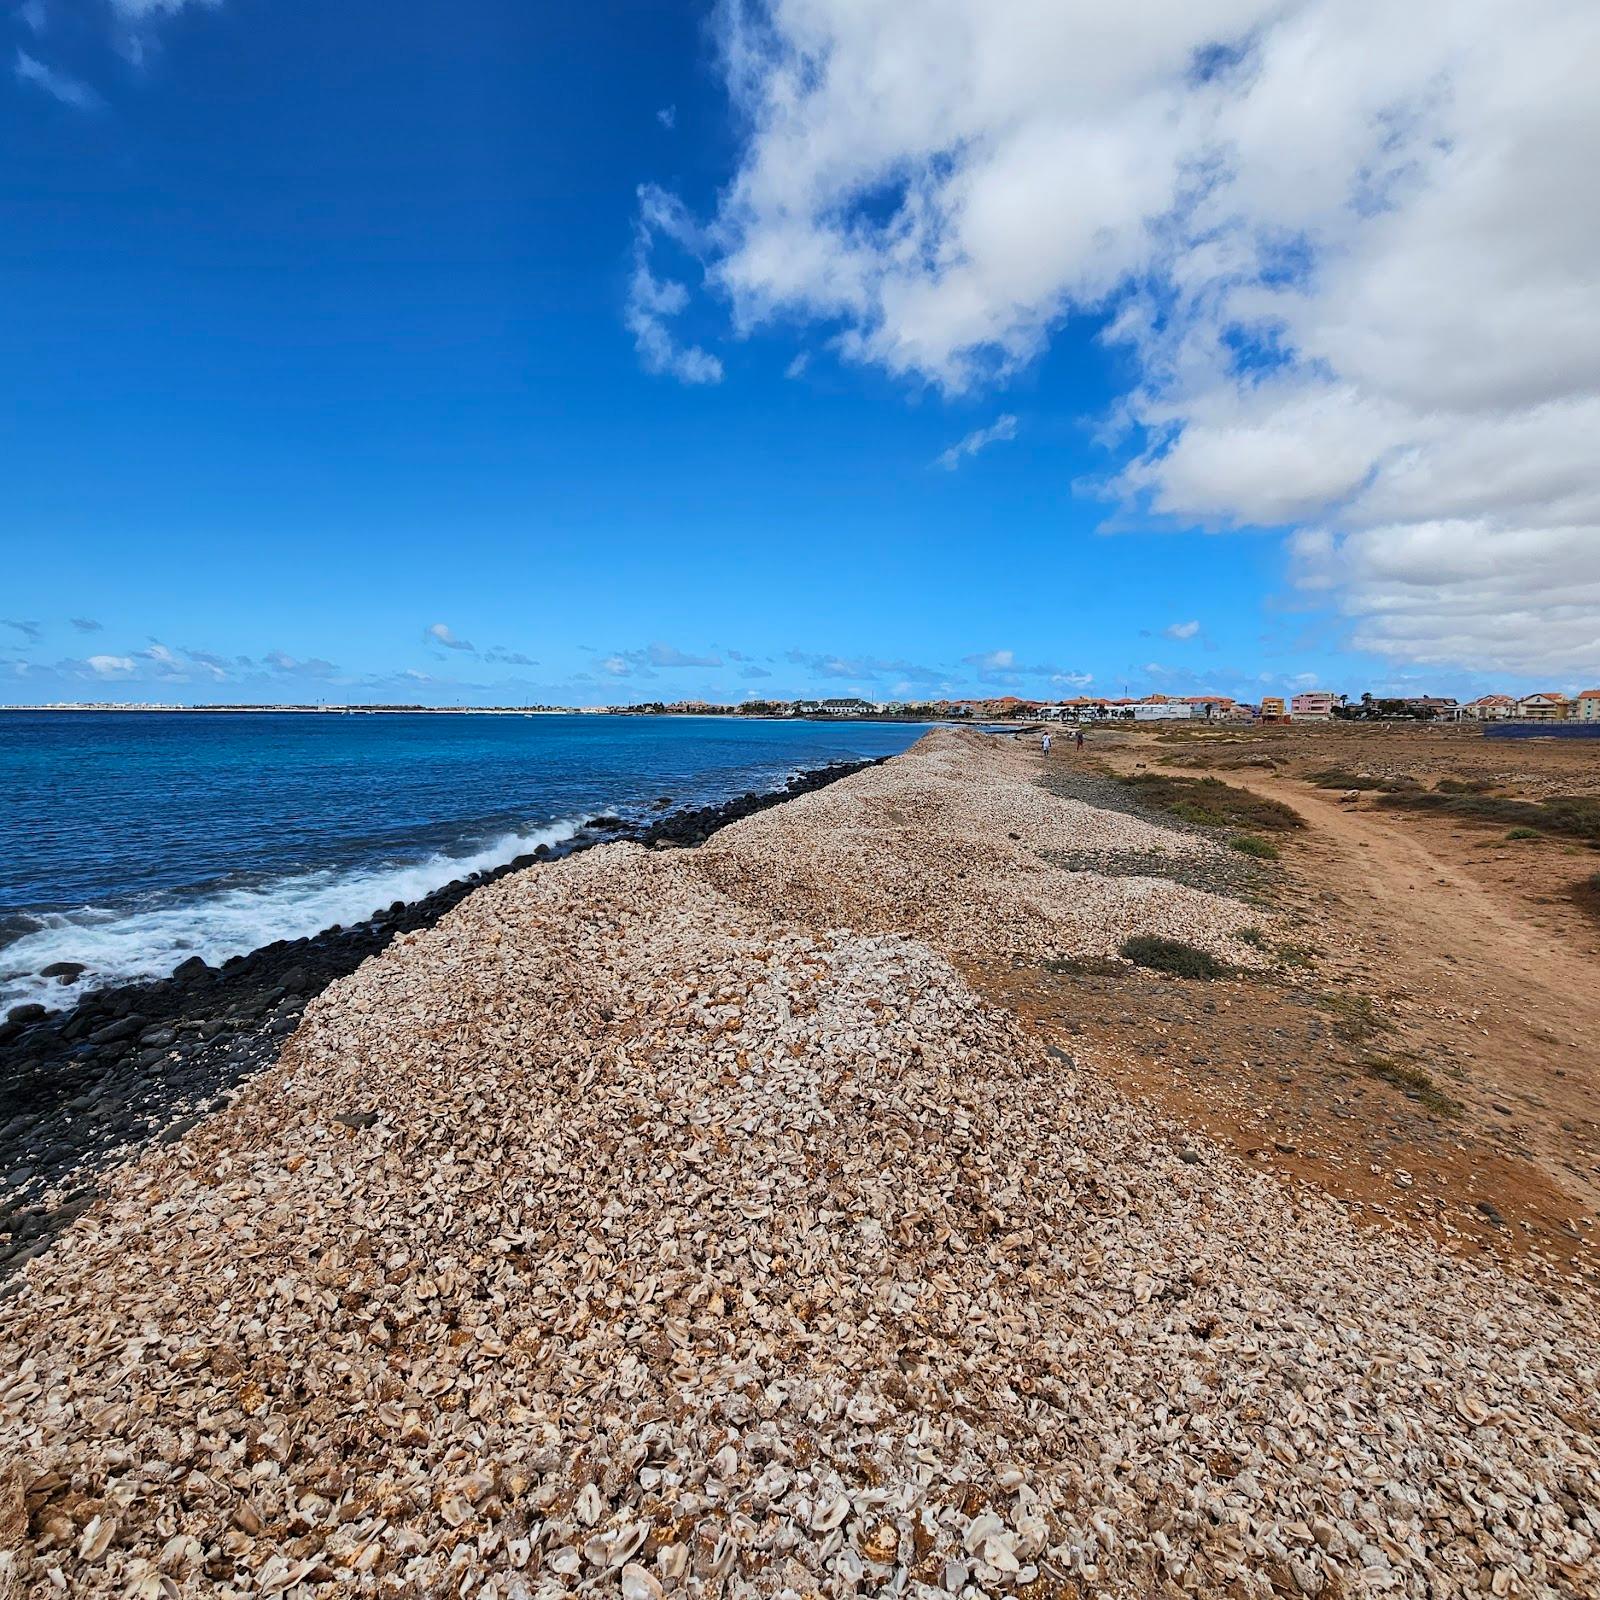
column 21, row 1016
column 63, row 969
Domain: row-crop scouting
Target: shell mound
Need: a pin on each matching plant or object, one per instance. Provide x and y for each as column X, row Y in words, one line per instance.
column 620, row 1234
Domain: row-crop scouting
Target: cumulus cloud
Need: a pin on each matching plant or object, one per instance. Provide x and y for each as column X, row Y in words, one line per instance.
column 439, row 633
column 1004, row 427
column 1001, row 667
column 992, row 661
column 1181, row 630
column 62, row 86
column 86, row 625
column 863, row 669
column 653, row 303
column 666, row 655
column 110, row 666
column 311, row 667
column 1349, row 247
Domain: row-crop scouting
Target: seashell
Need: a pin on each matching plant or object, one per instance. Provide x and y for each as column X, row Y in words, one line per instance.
column 638, row 1583
column 564, row 1562
column 588, row 1506
column 97, row 1536
column 830, row 1513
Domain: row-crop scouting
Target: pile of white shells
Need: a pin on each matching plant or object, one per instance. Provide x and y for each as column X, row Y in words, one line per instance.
column 617, row 1237
column 962, row 859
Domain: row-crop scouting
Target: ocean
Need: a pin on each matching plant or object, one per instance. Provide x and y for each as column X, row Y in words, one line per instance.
column 130, row 841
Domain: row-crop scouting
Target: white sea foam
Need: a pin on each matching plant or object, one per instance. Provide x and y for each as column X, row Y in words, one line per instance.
column 121, row 946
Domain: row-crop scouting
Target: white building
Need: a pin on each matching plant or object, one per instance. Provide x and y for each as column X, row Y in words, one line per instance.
column 1162, row 711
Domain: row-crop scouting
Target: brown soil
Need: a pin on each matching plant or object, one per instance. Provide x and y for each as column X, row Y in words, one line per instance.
column 1429, row 1049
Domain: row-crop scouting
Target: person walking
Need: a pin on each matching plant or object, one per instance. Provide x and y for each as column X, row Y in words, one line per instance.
column 1080, row 739
column 1044, row 744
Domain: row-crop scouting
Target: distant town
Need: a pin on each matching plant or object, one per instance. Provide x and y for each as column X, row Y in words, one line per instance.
column 1310, row 705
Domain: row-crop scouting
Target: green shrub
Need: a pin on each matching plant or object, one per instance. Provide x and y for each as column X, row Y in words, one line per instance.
column 1463, row 786
column 1211, row 803
column 1251, row 844
column 1524, row 833
column 1258, row 940
column 1172, row 956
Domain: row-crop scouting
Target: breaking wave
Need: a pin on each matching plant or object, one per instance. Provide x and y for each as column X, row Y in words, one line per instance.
column 150, row 939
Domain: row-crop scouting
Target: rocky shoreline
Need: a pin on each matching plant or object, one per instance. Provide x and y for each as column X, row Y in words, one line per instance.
column 83, row 1088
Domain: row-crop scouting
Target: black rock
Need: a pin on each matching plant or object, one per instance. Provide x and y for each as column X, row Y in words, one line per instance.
column 157, row 1038
column 194, row 967
column 607, row 822
column 356, row 1119
column 123, row 1028
column 63, row 969
column 21, row 1016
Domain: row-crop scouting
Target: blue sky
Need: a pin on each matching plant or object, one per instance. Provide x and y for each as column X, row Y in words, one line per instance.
column 538, row 354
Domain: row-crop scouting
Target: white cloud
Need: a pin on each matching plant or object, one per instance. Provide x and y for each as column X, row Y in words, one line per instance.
column 439, row 633
column 616, row 667
column 63, row 86
column 1350, row 245
column 1004, row 427
column 1182, row 630
column 653, row 302
column 667, row 655
column 151, row 10
column 110, row 666
column 993, row 661
column 797, row 367
column 667, row 116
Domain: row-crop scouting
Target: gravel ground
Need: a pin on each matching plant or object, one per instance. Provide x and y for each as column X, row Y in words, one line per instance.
column 616, row 1235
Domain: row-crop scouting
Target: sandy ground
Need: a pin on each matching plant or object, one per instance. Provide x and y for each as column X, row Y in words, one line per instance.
column 693, row 1222
column 1433, row 940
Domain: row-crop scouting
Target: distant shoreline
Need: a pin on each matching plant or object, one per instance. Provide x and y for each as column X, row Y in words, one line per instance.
column 481, row 711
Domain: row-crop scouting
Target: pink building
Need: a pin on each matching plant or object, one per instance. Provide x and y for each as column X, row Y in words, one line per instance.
column 1313, row 705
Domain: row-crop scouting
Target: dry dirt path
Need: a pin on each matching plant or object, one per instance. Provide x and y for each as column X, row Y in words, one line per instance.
column 1515, row 1003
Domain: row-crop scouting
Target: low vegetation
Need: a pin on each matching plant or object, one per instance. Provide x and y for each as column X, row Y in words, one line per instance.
column 1253, row 937
column 1524, row 833
column 1413, row 1081
column 1252, row 844
column 1586, row 894
column 1365, row 782
column 1573, row 816
column 1083, row 967
column 1355, row 1018
column 1211, row 803
column 1172, row 956
column 1463, row 786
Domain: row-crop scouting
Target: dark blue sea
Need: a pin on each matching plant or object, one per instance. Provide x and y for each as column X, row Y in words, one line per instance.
column 130, row 841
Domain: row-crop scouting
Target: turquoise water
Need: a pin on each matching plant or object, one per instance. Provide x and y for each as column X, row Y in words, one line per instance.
column 132, row 840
